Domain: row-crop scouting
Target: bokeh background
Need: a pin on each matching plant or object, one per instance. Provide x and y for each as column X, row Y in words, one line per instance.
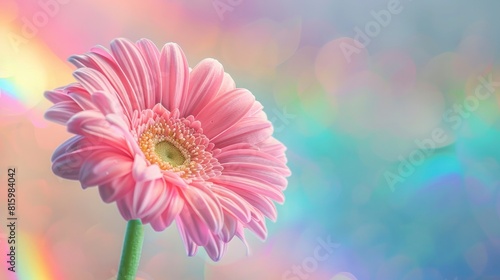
column 390, row 111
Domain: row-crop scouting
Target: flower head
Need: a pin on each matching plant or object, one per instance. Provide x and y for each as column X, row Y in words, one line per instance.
column 169, row 143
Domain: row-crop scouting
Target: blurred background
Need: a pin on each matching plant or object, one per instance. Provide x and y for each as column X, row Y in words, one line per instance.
column 390, row 111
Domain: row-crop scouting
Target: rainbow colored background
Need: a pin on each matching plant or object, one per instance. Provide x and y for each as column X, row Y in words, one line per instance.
column 393, row 139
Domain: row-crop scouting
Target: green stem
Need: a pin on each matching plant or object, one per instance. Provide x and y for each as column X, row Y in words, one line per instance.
column 131, row 253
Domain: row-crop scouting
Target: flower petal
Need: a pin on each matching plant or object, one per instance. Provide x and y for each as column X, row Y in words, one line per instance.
column 151, row 56
column 203, row 204
column 122, row 127
column 92, row 124
column 93, row 80
column 240, row 233
column 233, row 203
column 251, row 159
column 69, row 157
column 193, row 226
column 103, row 166
column 63, row 111
column 146, row 200
column 190, row 245
column 143, row 173
column 256, row 174
column 274, row 148
column 204, row 82
column 171, row 212
column 102, row 62
column 225, row 111
column 57, row 95
column 258, row 226
column 116, row 189
column 135, row 70
column 215, row 248
column 149, row 195
column 106, row 103
column 242, row 185
column 229, row 228
column 249, row 130
column 174, row 72
column 227, row 85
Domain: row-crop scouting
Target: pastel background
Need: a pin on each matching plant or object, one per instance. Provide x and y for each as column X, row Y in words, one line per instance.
column 392, row 139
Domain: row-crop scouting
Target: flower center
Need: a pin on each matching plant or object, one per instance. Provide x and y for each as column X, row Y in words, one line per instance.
column 169, row 153
column 176, row 144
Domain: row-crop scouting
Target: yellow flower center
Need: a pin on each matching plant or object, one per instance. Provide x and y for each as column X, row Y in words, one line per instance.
column 161, row 146
column 178, row 145
column 169, row 153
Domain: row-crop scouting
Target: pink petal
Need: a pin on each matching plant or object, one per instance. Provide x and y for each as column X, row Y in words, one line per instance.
column 150, row 199
column 225, row 111
column 263, row 204
column 151, row 56
column 241, row 235
column 68, row 165
column 174, row 72
column 274, row 148
column 98, row 131
column 103, row 167
column 122, row 127
column 116, row 189
column 92, row 123
column 93, row 80
column 72, row 144
column 101, row 51
column 61, row 112
column 57, row 95
column 258, row 226
column 171, row 212
column 143, row 173
column 233, row 203
column 227, row 85
column 69, row 157
column 249, row 130
column 215, row 248
column 77, row 92
column 134, row 69
column 149, row 195
column 259, row 175
column 174, row 179
column 190, row 245
column 83, row 100
column 229, row 228
column 203, row 204
column 205, row 81
column 106, row 103
column 106, row 65
column 194, row 227
column 250, row 160
column 257, row 111
column 241, row 184
column 147, row 199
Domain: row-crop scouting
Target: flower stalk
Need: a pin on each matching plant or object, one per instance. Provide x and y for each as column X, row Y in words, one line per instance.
column 132, row 248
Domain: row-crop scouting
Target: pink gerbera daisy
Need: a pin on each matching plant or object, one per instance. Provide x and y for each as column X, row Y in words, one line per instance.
column 168, row 143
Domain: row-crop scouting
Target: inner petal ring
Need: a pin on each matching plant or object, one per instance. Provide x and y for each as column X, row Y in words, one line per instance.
column 176, row 144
